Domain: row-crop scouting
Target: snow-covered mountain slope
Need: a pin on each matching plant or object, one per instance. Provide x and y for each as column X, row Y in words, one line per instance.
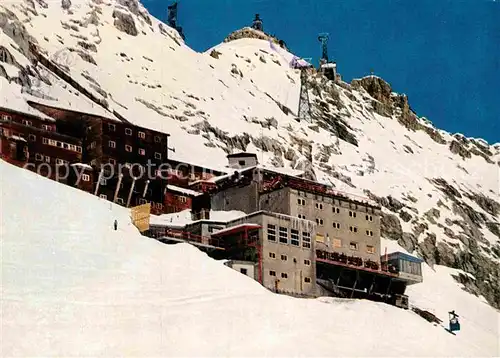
column 440, row 192
column 72, row 286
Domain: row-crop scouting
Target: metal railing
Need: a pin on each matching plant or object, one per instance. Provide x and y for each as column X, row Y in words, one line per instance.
column 185, row 236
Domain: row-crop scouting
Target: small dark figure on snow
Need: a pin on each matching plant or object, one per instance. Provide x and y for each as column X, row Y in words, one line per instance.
column 116, row 224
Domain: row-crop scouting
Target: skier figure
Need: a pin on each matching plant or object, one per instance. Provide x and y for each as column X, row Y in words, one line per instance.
column 116, row 224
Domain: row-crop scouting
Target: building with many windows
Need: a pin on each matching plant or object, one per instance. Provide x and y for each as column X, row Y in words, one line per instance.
column 345, row 224
column 34, row 143
column 281, row 246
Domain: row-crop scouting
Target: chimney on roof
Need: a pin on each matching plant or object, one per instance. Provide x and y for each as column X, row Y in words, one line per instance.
column 242, row 160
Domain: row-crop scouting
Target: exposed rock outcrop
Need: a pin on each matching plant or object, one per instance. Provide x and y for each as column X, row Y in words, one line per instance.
column 390, row 227
column 137, row 9
column 215, row 54
column 14, row 29
column 457, row 148
column 489, row 205
column 66, row 4
column 379, row 90
column 125, row 22
column 248, row 32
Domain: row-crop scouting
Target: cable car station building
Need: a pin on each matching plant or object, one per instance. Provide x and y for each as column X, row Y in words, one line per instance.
column 304, row 238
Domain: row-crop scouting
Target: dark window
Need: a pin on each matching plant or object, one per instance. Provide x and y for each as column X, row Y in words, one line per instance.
column 32, row 137
column 284, row 275
column 284, row 257
column 283, row 232
column 294, row 235
column 243, row 271
column 272, row 255
column 307, row 279
column 272, row 273
column 157, row 139
column 111, row 127
column 271, row 232
column 241, row 162
column 353, row 245
column 128, row 131
column 307, row 262
column 306, row 240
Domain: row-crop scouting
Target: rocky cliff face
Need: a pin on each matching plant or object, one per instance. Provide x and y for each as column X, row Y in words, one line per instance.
column 439, row 191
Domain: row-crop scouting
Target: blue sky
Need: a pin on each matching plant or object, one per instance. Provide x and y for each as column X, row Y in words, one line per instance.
column 445, row 55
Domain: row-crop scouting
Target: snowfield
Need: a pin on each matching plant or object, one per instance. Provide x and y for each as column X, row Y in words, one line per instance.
column 72, row 286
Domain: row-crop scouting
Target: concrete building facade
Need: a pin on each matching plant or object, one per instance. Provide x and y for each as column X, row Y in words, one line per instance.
column 286, row 252
column 344, row 225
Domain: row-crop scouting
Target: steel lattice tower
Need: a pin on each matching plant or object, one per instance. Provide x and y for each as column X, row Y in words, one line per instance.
column 304, row 105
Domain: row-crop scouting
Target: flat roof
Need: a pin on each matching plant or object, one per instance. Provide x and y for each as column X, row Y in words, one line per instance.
column 235, row 229
column 195, row 243
column 402, row 256
column 206, row 221
column 270, row 213
column 36, row 114
column 172, row 159
column 329, row 190
column 184, row 191
column 106, row 115
column 241, row 155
